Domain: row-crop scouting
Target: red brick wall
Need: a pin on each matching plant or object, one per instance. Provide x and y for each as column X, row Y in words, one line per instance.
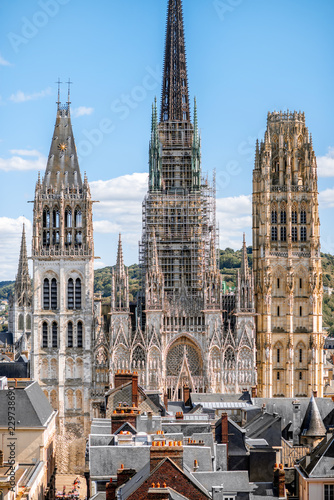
column 173, row 477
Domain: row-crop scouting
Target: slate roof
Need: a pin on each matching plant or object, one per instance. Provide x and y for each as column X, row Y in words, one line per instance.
column 14, row 369
column 283, row 406
column 260, row 424
column 6, row 337
column 320, row 462
column 312, row 424
column 233, row 481
column 32, row 408
column 199, row 398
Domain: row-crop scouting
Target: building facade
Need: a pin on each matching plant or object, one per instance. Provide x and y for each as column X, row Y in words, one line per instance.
column 63, row 276
column 188, row 332
column 286, row 260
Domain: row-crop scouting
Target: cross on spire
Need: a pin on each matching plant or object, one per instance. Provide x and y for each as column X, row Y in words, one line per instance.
column 59, row 83
column 69, row 83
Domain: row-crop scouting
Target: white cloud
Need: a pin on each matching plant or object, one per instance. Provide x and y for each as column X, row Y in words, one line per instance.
column 326, row 198
column 81, row 111
column 23, row 159
column 3, row 61
column 234, row 216
column 326, row 164
column 10, row 242
column 20, row 96
column 120, row 207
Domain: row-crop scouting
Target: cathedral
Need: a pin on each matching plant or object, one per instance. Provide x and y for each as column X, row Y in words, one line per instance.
column 185, row 332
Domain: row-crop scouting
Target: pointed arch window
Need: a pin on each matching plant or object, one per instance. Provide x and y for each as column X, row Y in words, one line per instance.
column 274, row 234
column 294, row 218
column 28, row 322
column 68, row 217
column 78, row 293
column 79, row 334
column 283, row 233
column 46, row 218
column 78, row 218
column 45, row 335
column 303, row 234
column 54, row 334
column 56, row 218
column 283, row 217
column 21, row 322
column 68, row 238
column 54, row 294
column 294, row 234
column 46, row 294
column 46, row 238
column 70, row 294
column 70, row 334
column 78, row 238
column 274, row 217
column 303, row 217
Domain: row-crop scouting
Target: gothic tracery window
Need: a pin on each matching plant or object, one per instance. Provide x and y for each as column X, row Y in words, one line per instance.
column 79, row 334
column 54, row 334
column 70, row 334
column 175, row 357
column 45, row 335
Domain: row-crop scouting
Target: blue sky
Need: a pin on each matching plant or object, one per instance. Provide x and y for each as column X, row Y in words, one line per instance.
column 245, row 58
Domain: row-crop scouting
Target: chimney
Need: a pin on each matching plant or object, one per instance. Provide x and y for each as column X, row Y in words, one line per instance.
column 162, row 449
column 135, row 389
column 254, row 392
column 124, row 414
column 158, row 492
column 279, row 480
column 122, row 377
column 149, row 422
column 1, row 458
column 123, row 475
column 296, row 422
column 186, row 395
column 166, row 401
column 111, row 490
column 315, row 394
column 179, row 415
column 224, row 420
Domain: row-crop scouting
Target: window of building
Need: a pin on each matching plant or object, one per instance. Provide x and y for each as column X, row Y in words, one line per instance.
column 78, row 238
column 303, row 233
column 70, row 294
column 56, row 218
column 283, row 217
column 46, row 218
column 300, row 375
column 278, row 375
column 78, row 218
column 45, row 334
column 54, row 334
column 68, row 217
column 329, row 491
column 294, row 234
column 274, row 234
column 303, row 217
column 79, row 334
column 70, row 334
column 283, row 233
column 278, row 355
column 278, row 310
column 274, row 217
column 78, row 293
column 53, row 293
column 278, row 283
column 46, row 294
column 300, row 355
column 300, row 311
column 294, row 218
column 46, row 238
column 68, row 238
column 28, row 322
column 300, row 283
column 21, row 322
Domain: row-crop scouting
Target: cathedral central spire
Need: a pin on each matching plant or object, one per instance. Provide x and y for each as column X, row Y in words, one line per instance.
column 175, row 94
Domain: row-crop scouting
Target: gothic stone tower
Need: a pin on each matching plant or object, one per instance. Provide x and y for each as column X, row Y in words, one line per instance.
column 63, row 253
column 20, row 309
column 286, row 257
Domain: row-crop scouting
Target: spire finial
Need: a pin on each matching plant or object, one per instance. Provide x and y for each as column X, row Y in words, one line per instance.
column 175, row 95
column 244, row 260
column 69, row 83
column 120, row 262
column 59, row 83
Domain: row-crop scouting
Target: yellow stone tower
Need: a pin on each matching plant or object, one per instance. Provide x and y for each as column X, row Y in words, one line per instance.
column 286, row 260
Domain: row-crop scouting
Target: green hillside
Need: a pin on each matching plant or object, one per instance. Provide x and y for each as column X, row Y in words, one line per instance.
column 229, row 263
